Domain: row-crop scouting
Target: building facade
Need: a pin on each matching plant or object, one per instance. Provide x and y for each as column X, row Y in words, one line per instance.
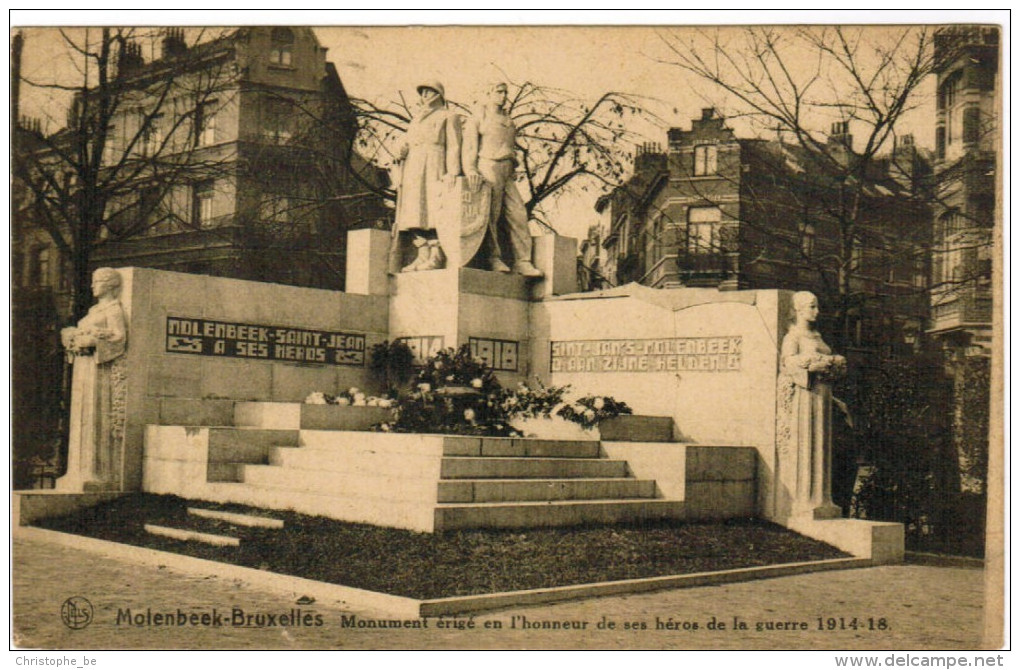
column 231, row 157
column 966, row 118
column 715, row 210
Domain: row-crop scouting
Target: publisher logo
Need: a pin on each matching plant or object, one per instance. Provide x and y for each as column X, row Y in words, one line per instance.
column 76, row 612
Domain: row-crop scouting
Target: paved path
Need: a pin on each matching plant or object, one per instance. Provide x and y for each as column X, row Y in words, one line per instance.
column 923, row 608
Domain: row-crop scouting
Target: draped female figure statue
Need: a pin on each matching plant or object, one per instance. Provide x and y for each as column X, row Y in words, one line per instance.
column 97, row 346
column 804, row 435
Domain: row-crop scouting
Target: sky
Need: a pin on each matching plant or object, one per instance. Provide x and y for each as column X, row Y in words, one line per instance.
column 379, row 63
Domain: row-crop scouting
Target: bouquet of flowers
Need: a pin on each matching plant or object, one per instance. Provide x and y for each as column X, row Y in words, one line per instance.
column 353, row 396
column 827, row 368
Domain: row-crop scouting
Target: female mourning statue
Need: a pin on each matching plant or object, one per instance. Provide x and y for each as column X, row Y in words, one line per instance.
column 807, row 370
column 97, row 345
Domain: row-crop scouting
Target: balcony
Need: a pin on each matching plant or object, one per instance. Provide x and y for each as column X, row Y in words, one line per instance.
column 706, row 268
column 970, row 309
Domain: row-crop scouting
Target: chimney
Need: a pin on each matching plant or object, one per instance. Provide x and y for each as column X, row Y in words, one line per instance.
column 130, row 58
column 173, row 43
column 30, row 124
column 707, row 113
column 649, row 157
column 839, row 133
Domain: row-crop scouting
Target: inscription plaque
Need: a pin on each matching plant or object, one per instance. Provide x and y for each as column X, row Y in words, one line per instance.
column 676, row 354
column 274, row 343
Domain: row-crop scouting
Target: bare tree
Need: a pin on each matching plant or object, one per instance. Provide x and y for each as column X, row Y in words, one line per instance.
column 563, row 141
column 132, row 134
column 794, row 81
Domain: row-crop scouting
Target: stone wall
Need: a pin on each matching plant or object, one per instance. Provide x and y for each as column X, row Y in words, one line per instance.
column 706, row 358
column 151, row 297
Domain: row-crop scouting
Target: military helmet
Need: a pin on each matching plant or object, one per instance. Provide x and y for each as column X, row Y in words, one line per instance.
column 434, row 85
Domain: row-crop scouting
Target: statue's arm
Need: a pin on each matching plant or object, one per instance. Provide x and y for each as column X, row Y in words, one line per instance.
column 111, row 341
column 469, row 151
column 793, row 362
column 790, row 353
column 116, row 325
column 401, row 151
column 453, row 146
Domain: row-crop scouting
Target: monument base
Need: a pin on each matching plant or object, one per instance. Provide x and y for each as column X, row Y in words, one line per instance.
column 821, row 512
column 279, row 456
column 882, row 542
column 75, row 483
column 30, row 506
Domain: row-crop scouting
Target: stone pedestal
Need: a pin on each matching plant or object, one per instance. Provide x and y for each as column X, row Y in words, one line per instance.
column 439, row 309
column 556, row 257
column 367, row 260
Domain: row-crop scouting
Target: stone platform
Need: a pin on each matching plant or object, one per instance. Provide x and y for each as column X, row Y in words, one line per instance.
column 321, row 460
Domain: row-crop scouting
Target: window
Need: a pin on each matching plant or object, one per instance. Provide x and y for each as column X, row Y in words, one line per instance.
column 65, row 274
column 205, row 124
column 148, row 206
column 954, row 265
column 940, row 142
column 277, row 126
column 110, row 148
column 623, row 227
column 948, row 262
column 983, row 266
column 807, row 239
column 982, row 210
column 950, row 223
column 152, row 136
column 971, row 125
column 202, row 204
column 949, row 95
column 39, row 267
column 653, row 242
column 274, row 208
column 701, row 225
column 705, row 159
column 282, row 47
column 919, row 273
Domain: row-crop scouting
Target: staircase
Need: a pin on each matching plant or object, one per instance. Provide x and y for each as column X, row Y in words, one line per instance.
column 511, row 483
column 421, row 482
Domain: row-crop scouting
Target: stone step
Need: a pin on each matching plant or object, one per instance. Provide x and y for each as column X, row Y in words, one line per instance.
column 224, row 472
column 247, row 445
column 326, row 482
column 289, row 415
column 503, row 490
column 495, row 467
column 447, row 445
column 192, row 535
column 396, row 444
column 519, row 447
column 238, row 519
column 560, row 513
column 196, row 412
column 380, row 511
column 356, row 461
column 637, row 428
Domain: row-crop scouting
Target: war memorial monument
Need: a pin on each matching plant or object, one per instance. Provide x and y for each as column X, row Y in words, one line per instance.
column 195, row 385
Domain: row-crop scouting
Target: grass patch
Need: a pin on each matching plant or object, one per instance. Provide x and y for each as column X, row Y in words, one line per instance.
column 454, row 563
